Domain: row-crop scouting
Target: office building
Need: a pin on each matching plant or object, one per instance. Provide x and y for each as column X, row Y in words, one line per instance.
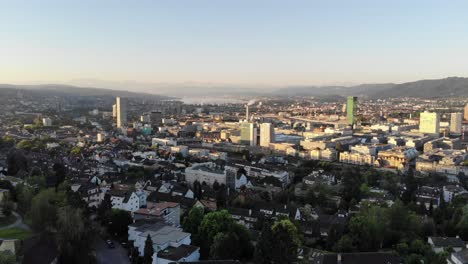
column 456, row 120
column 351, row 109
column 466, row 111
column 121, row 108
column 114, row 110
column 429, row 123
column 267, row 134
column 248, row 134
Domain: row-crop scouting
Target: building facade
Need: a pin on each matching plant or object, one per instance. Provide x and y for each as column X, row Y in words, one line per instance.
column 429, row 123
column 121, row 107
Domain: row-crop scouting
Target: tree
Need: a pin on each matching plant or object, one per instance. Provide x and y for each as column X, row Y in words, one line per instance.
column 24, row 144
column 7, row 206
column 8, row 186
column 264, row 245
column 73, row 236
column 149, row 251
column 104, row 210
column 43, row 211
column 345, row 244
column 135, row 255
column 7, row 258
column 119, row 222
column 286, row 241
column 16, row 161
column 221, row 222
column 25, row 195
column 192, row 221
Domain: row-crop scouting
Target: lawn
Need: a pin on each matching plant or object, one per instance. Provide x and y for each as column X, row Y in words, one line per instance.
column 7, row 220
column 15, row 232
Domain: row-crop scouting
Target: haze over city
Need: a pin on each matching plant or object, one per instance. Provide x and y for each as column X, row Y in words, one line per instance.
column 262, row 44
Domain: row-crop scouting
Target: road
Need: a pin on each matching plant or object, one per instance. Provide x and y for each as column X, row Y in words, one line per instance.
column 106, row 255
column 18, row 223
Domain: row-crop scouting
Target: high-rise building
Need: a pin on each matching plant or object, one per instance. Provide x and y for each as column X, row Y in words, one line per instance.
column 247, row 113
column 267, row 134
column 429, row 123
column 456, row 120
column 121, row 104
column 114, row 110
column 466, row 111
column 351, row 109
column 248, row 134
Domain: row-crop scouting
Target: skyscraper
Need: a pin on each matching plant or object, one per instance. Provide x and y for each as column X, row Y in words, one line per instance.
column 121, row 104
column 248, row 134
column 351, row 109
column 267, row 134
column 456, row 120
column 429, row 123
column 466, row 111
column 114, row 110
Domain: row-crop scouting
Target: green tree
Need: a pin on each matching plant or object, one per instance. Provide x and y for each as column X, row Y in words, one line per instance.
column 25, row 195
column 345, row 244
column 43, row 212
column 192, row 222
column 24, row 144
column 264, row 245
column 7, row 206
column 286, row 241
column 7, row 258
column 119, row 222
column 368, row 228
column 221, row 222
column 148, row 251
column 104, row 210
column 73, row 236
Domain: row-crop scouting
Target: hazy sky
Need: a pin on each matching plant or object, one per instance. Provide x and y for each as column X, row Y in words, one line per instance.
column 235, row 42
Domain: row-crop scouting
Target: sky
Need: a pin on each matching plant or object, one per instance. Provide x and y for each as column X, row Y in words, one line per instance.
column 243, row 42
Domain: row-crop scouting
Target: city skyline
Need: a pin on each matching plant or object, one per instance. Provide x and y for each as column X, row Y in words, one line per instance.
column 243, row 43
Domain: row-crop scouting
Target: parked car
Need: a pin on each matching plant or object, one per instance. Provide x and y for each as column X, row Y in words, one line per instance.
column 110, row 244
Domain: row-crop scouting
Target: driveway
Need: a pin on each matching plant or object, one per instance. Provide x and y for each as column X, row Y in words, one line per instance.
column 106, row 255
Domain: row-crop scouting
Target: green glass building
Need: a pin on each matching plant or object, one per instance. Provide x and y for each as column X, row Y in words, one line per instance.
column 351, row 109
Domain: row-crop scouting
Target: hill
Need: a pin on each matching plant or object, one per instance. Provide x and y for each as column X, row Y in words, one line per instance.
column 448, row 87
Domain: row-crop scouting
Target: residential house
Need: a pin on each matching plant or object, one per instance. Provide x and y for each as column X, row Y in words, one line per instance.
column 164, row 237
column 169, row 212
column 440, row 244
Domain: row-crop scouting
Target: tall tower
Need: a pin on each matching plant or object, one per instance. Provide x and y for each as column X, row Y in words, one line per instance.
column 121, row 104
column 248, row 134
column 247, row 113
column 466, row 111
column 267, row 134
column 456, row 123
column 351, row 109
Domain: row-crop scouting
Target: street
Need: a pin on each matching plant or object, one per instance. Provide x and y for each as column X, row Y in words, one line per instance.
column 106, row 255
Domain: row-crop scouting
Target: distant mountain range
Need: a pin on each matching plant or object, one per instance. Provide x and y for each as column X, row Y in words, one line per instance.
column 439, row 88
column 70, row 90
column 448, row 87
